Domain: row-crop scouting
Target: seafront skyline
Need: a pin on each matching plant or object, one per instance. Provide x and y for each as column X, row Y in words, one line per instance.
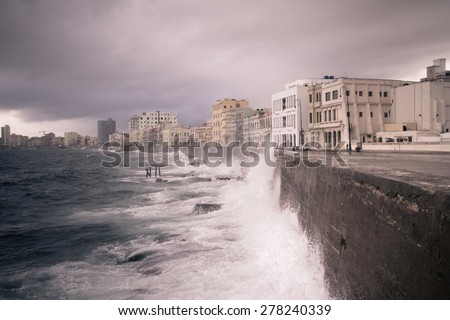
column 119, row 58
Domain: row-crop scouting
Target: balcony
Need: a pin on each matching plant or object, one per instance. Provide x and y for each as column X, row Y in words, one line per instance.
column 326, row 125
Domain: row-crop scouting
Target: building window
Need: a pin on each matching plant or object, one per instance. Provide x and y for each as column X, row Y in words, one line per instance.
column 329, row 115
column 284, row 103
column 370, row 93
column 310, row 98
column 327, row 96
column 325, row 116
column 381, row 94
column 347, row 93
column 385, row 114
column 335, row 94
column 371, row 114
column 360, row 93
column 385, row 94
column 284, row 122
column 360, row 114
column 334, row 114
column 310, row 117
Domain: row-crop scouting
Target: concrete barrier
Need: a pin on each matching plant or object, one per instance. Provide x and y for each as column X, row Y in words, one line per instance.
column 380, row 238
column 406, row 147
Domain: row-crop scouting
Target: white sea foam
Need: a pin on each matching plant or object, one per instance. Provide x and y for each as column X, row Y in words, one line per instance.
column 249, row 249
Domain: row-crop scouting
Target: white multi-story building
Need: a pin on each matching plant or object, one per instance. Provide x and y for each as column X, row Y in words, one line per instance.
column 290, row 112
column 149, row 120
column 363, row 105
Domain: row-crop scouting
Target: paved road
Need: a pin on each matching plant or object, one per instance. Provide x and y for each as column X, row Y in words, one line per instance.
column 428, row 170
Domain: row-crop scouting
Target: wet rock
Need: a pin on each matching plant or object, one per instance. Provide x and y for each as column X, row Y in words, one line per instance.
column 204, row 208
column 195, row 163
column 226, row 178
column 140, row 256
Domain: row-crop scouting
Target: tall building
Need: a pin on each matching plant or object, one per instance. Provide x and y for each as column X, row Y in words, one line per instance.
column 227, row 120
column 147, row 121
column 104, row 129
column 290, row 113
column 6, row 136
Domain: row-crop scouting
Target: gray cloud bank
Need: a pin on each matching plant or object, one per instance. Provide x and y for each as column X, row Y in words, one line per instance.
column 96, row 59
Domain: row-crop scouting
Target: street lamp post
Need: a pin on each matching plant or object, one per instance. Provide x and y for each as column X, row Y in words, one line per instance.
column 301, row 122
column 345, row 93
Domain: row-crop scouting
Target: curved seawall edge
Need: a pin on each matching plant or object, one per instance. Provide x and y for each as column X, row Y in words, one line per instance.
column 380, row 238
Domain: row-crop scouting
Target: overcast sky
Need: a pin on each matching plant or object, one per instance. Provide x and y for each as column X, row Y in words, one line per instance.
column 66, row 64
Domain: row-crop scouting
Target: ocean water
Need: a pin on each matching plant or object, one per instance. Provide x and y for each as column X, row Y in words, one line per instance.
column 71, row 229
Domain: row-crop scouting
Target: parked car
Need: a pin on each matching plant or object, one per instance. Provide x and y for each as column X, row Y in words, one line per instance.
column 304, row 147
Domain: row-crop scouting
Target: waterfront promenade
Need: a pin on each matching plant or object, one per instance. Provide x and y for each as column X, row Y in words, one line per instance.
column 430, row 171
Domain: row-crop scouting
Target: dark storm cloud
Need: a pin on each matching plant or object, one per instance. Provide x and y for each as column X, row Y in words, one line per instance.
column 69, row 59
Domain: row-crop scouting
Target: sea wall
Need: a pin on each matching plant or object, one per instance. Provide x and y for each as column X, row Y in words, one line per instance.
column 379, row 238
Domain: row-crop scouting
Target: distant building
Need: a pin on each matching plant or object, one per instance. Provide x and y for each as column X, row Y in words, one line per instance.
column 258, row 126
column 177, row 136
column 104, row 129
column 47, row 139
column 70, row 139
column 6, row 136
column 58, row 142
column 140, row 126
column 18, row 141
column 202, row 134
column 227, row 120
column 437, row 72
column 119, row 139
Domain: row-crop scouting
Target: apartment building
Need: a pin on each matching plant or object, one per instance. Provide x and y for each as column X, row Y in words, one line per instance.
column 148, row 120
column 258, row 126
column 177, row 136
column 202, row 134
column 227, row 120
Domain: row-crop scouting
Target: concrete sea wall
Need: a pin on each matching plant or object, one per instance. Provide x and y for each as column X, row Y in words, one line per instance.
column 380, row 238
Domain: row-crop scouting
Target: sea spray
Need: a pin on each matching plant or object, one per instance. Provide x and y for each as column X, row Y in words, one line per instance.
column 112, row 233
